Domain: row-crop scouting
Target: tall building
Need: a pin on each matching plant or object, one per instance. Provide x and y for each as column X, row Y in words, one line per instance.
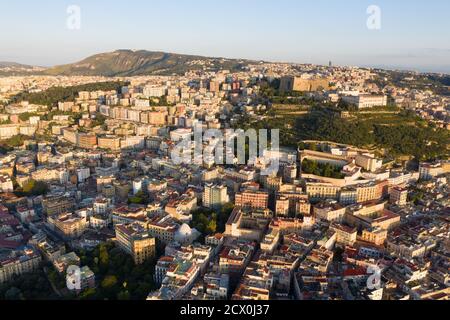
column 6, row 184
column 136, row 241
column 282, row 206
column 399, row 196
column 345, row 236
column 215, row 195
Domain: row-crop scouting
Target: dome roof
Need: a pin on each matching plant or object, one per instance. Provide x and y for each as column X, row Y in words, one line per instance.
column 183, row 234
column 184, row 230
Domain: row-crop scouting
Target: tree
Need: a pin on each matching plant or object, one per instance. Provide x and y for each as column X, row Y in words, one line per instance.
column 87, row 294
column 211, row 226
column 109, row 282
column 33, row 188
column 103, row 256
column 14, row 294
column 52, row 96
column 118, row 277
column 123, row 295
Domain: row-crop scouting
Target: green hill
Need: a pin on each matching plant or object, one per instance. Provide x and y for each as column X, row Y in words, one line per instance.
column 136, row 63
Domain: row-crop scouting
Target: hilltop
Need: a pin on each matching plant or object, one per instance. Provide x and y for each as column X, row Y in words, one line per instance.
column 137, row 63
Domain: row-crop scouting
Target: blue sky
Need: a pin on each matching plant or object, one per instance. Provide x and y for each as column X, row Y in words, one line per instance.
column 414, row 34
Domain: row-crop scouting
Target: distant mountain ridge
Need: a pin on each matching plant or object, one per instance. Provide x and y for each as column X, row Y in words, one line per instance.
column 137, row 63
column 123, row 63
column 13, row 68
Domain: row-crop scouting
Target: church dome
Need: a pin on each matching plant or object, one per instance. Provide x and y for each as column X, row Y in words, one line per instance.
column 183, row 234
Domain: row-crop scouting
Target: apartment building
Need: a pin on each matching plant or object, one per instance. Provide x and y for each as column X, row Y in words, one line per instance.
column 345, row 236
column 399, row 196
column 324, row 191
column 109, row 143
column 21, row 261
column 252, row 199
column 215, row 195
column 53, row 205
column 135, row 241
column 428, row 171
column 86, row 141
column 68, row 225
column 329, row 210
column 6, row 184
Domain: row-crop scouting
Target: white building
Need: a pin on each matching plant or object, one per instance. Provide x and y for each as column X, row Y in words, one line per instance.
column 368, row 162
column 83, row 174
column 215, row 195
column 365, row 101
column 180, row 134
column 428, row 171
column 6, row 184
column 137, row 186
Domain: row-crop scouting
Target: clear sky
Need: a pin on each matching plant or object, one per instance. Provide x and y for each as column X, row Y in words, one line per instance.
column 414, row 34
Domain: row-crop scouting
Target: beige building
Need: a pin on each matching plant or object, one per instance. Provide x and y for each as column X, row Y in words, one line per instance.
column 282, row 206
column 399, row 196
column 330, row 211
column 248, row 224
column 109, row 142
column 322, row 191
column 345, row 236
column 57, row 205
column 428, row 171
column 303, row 207
column 22, row 262
column 372, row 215
column 368, row 162
column 300, row 84
column 69, row 225
column 252, row 199
column 136, row 241
column 86, row 141
column 376, row 236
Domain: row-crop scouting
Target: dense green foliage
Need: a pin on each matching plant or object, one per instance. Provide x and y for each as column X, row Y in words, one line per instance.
column 209, row 221
column 52, row 96
column 99, row 120
column 117, row 277
column 400, row 134
column 322, row 124
column 422, row 143
column 33, row 188
column 321, row 169
column 30, row 286
column 139, row 198
column 13, row 142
